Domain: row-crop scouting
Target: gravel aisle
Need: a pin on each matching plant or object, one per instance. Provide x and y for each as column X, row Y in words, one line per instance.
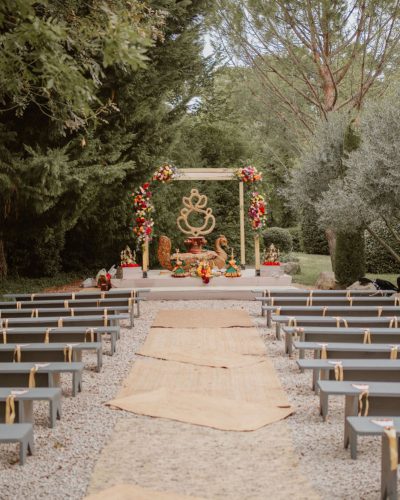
column 163, row 453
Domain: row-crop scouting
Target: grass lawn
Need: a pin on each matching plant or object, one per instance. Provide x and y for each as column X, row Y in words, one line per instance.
column 30, row 285
column 313, row 265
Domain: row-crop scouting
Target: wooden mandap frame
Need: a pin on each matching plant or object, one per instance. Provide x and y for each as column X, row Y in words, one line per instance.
column 215, row 174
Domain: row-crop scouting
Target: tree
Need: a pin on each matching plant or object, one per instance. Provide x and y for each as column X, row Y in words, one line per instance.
column 314, row 56
column 369, row 190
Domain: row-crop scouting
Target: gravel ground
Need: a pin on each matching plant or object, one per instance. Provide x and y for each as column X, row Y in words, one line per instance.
column 65, row 457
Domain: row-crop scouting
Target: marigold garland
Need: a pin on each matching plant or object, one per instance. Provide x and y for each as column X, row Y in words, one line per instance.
column 248, row 174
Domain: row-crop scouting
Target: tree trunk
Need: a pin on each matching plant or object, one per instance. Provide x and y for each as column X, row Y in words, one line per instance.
column 3, row 261
column 331, row 238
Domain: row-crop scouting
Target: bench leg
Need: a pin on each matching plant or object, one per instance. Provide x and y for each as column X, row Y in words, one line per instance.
column 55, row 411
column 76, row 383
column 269, row 318
column 288, row 344
column 138, row 308
column 353, row 443
column 278, row 331
column 350, row 410
column 132, row 316
column 25, row 409
column 99, row 359
column 26, row 447
column 388, row 476
column 323, row 405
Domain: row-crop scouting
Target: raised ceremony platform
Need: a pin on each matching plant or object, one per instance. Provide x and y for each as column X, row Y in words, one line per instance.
column 164, row 287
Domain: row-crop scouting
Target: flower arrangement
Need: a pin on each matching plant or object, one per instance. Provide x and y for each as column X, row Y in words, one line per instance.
column 248, row 174
column 257, row 211
column 143, row 207
column 165, row 173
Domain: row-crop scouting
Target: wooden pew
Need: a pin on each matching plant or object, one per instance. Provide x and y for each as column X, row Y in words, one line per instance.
column 18, row 433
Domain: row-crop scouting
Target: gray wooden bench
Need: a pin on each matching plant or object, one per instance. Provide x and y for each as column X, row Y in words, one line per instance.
column 331, row 334
column 47, row 374
column 327, row 300
column 65, row 335
column 49, row 352
column 383, row 399
column 339, row 321
column 24, row 399
column 373, row 370
column 335, row 311
column 64, row 321
column 129, row 293
column 366, row 427
column 109, row 303
column 18, row 433
column 348, row 350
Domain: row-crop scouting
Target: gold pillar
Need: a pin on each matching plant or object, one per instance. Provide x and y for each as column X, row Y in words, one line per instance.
column 242, row 235
column 145, row 258
column 257, row 253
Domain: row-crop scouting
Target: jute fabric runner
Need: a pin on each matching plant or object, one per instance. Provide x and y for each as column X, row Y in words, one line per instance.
column 133, row 492
column 237, row 399
column 218, row 347
column 196, row 318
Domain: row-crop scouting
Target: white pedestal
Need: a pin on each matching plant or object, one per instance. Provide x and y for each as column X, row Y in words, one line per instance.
column 271, row 271
column 129, row 273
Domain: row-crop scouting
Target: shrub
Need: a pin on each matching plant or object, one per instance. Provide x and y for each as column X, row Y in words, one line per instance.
column 296, row 238
column 349, row 258
column 313, row 238
column 280, row 237
column 379, row 260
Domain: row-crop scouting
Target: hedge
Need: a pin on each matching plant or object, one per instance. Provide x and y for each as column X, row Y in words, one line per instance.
column 349, row 258
column 313, row 240
column 280, row 237
column 379, row 260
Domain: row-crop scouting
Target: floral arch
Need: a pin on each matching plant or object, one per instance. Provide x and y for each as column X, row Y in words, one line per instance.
column 144, row 208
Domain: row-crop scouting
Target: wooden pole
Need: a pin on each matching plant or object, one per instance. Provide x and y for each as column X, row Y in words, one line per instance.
column 145, row 258
column 242, row 234
column 257, row 253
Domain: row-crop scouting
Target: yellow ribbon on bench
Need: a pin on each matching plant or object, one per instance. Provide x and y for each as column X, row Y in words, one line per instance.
column 393, row 352
column 47, row 335
column 32, row 296
column 324, row 310
column 17, row 354
column 292, row 322
column 298, row 332
column 394, row 322
column 310, row 299
column 73, row 296
column 396, row 301
column 10, row 409
column 348, row 294
column 66, row 304
column 324, row 353
column 380, row 309
column 367, row 336
column 68, row 353
column 72, row 311
column 4, row 336
column 35, row 313
column 18, row 305
column 272, row 302
column 339, row 371
column 393, row 451
column 103, row 295
column 350, row 299
column 339, row 320
column 278, row 311
column 133, row 294
column 363, row 404
column 32, row 383
column 91, row 332
column 60, row 322
column 105, row 317
column 4, row 323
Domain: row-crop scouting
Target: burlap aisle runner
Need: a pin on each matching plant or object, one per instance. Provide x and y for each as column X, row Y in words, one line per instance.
column 133, row 492
column 198, row 318
column 218, row 347
column 244, row 397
